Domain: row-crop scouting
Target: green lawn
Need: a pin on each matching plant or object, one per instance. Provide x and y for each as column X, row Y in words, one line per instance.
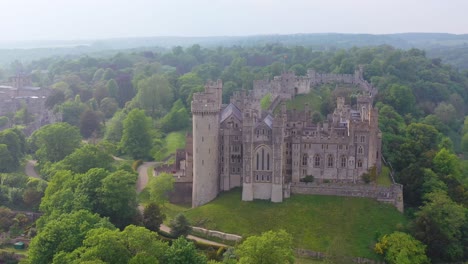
column 172, row 142
column 316, row 222
column 299, row 101
column 384, row 177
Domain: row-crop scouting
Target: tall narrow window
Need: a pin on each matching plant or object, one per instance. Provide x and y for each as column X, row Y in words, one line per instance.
column 359, row 163
column 360, row 150
column 268, row 161
column 304, row 160
column 317, row 161
column 258, row 161
column 343, row 161
column 330, row 161
column 263, row 159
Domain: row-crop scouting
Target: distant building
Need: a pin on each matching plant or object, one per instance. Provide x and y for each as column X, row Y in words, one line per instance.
column 18, row 93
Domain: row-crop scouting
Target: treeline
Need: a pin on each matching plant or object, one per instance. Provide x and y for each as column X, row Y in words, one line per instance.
column 132, row 102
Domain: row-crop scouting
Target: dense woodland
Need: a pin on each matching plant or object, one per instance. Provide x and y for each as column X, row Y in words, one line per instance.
column 136, row 105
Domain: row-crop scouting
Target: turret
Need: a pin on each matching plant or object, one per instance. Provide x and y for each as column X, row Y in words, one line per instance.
column 206, row 107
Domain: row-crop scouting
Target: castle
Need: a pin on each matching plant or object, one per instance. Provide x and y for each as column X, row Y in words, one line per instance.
column 272, row 152
column 265, row 151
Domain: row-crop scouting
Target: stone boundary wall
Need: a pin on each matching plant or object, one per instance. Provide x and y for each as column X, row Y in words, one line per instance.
column 320, row 255
column 218, row 234
column 392, row 194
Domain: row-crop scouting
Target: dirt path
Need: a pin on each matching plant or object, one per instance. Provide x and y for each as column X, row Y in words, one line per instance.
column 143, row 175
column 29, row 169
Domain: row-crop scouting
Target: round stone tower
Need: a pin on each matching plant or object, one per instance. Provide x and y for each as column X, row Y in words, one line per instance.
column 206, row 108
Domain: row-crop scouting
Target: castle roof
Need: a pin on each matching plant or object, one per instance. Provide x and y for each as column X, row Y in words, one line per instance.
column 268, row 120
column 231, row 109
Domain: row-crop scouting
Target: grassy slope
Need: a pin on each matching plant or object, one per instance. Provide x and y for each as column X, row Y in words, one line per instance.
column 384, row 178
column 172, row 142
column 316, row 222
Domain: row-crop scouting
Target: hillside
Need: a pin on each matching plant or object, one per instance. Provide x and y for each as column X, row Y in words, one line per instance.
column 320, row 223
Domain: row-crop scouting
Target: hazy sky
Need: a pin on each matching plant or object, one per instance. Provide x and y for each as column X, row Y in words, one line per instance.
column 91, row 19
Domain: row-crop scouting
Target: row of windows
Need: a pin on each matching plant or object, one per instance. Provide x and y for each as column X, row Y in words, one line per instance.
column 324, row 146
column 330, row 161
column 233, row 169
column 262, row 178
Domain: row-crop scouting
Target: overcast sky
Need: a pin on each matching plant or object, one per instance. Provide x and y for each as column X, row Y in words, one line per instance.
column 96, row 19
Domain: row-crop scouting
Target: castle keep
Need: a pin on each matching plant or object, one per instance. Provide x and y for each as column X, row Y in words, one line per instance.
column 266, row 151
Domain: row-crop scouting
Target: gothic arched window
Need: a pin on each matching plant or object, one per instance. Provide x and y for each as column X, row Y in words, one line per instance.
column 330, row 161
column 360, row 150
column 304, row 160
column 263, row 158
column 343, row 161
column 317, row 160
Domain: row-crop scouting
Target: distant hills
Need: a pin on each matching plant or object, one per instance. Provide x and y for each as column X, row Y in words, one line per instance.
column 444, row 45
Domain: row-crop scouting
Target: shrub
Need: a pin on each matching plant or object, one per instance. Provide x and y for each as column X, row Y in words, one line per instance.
column 308, row 178
column 136, row 164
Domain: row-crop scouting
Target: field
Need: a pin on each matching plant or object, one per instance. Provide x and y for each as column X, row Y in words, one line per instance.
column 320, row 223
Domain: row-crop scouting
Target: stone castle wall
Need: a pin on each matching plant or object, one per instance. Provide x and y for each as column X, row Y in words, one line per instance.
column 392, row 194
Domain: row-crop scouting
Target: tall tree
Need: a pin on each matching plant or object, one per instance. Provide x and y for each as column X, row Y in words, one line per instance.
column 153, row 217
column 154, row 93
column 439, row 225
column 136, row 137
column 89, row 123
column 55, row 141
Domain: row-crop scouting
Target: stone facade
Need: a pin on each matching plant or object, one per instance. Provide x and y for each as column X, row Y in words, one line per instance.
column 266, row 151
column 19, row 93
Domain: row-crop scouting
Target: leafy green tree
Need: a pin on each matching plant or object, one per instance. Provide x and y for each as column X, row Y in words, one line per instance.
column 177, row 119
column 438, row 225
column 57, row 97
column 132, row 245
column 272, row 247
column 71, row 111
column 90, row 123
column 55, row 141
column 86, row 158
column 153, row 217
column 14, row 139
column 117, row 197
column 114, row 127
column 108, row 106
column 6, row 218
column 188, row 84
column 64, row 233
column 6, row 160
column 180, row 226
column 136, row 137
column 401, row 248
column 154, row 93
column 401, row 98
column 98, row 74
column 183, row 251
column 4, row 121
column 446, row 113
column 159, row 188
column 112, row 88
